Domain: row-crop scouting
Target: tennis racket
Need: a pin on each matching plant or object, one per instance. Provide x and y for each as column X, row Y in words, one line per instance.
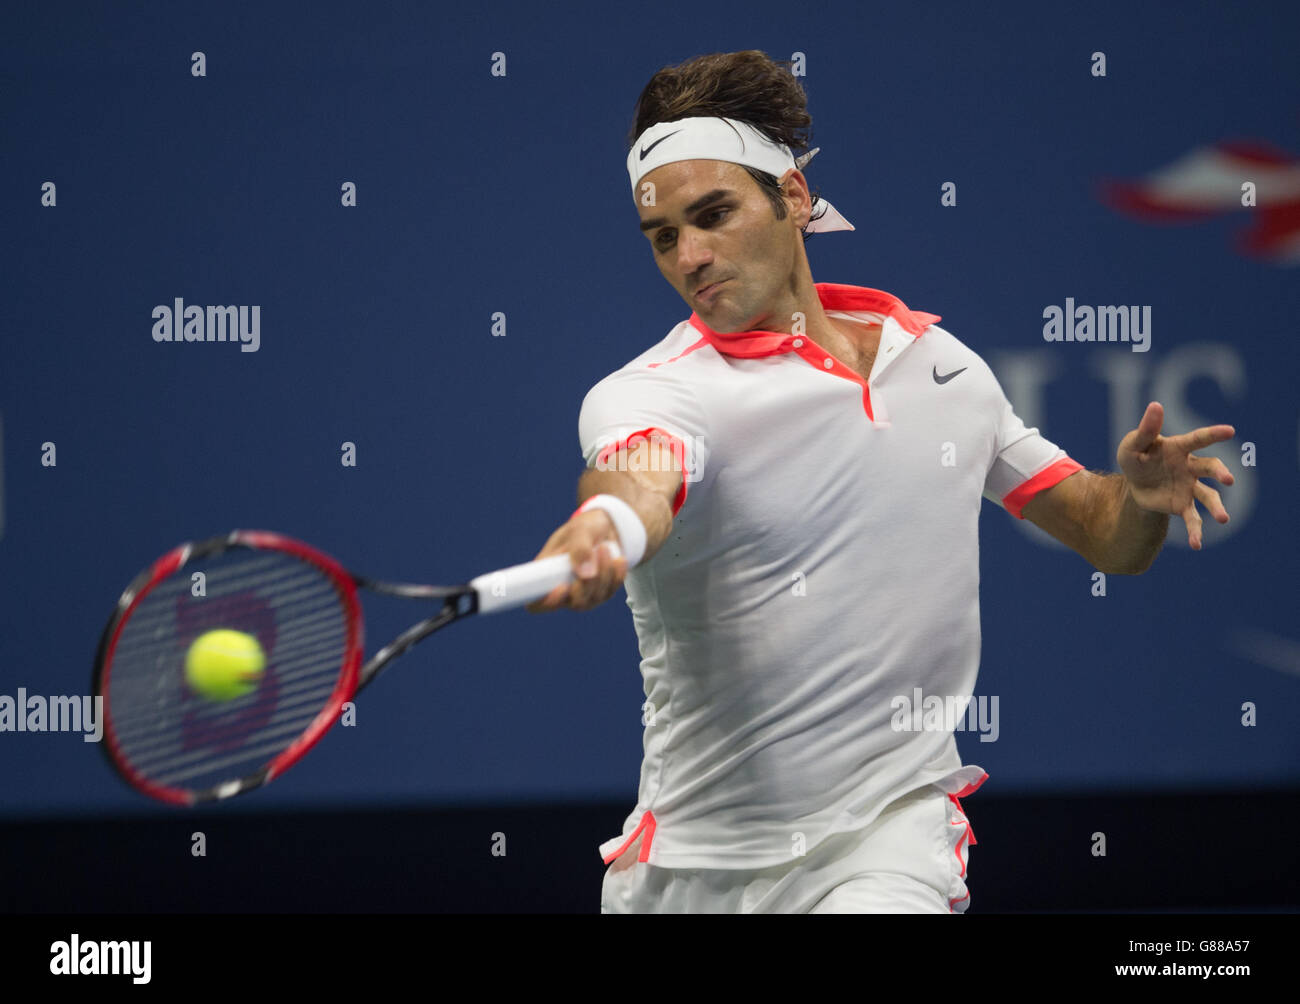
column 169, row 741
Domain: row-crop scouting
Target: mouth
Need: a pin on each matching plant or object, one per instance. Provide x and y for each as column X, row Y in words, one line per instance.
column 706, row 293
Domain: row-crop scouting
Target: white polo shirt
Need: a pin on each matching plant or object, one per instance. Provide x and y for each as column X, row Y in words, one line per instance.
column 823, row 560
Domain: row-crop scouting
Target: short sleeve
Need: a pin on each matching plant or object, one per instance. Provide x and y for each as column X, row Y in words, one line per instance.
column 642, row 402
column 1024, row 463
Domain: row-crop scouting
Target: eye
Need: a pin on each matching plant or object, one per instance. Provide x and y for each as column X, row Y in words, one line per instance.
column 714, row 216
column 664, row 239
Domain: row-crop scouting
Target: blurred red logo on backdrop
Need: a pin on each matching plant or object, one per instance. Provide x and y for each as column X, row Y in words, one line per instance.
column 1235, row 176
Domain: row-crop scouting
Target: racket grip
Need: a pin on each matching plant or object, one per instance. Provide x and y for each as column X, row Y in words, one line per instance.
column 518, row 585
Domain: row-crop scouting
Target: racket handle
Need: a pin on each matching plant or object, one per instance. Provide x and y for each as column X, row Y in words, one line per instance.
column 518, row 585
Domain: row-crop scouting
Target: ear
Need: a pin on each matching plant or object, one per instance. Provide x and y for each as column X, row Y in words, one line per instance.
column 795, row 188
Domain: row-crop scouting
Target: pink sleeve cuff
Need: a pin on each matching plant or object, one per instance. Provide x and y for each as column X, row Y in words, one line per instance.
column 679, row 451
column 1015, row 500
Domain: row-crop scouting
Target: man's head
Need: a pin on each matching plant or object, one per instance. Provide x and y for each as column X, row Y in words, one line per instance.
column 718, row 241
column 716, row 222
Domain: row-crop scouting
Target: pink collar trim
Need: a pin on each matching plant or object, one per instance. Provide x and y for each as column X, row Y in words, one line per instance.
column 833, row 296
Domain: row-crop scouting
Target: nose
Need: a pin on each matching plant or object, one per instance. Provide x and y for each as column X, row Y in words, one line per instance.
column 693, row 252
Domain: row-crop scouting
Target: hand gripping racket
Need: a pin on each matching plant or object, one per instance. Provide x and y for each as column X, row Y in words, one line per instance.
column 169, row 741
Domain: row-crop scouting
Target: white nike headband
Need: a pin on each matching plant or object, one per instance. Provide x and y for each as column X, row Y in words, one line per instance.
column 728, row 140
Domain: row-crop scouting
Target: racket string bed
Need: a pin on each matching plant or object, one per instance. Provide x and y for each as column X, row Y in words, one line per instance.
column 174, row 737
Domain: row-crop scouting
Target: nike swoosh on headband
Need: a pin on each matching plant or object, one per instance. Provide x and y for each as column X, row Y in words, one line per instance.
column 646, row 150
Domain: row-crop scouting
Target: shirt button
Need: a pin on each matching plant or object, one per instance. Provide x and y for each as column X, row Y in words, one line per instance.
column 829, row 363
column 798, row 343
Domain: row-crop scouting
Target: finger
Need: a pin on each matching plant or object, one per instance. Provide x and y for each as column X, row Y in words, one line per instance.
column 607, row 580
column 1205, row 436
column 580, row 595
column 551, row 601
column 613, row 568
column 586, row 574
column 583, row 555
column 597, row 590
column 1149, row 428
column 1209, row 498
column 1193, row 521
column 1212, row 467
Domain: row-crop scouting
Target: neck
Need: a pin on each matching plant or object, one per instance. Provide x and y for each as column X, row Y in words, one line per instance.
column 831, row 335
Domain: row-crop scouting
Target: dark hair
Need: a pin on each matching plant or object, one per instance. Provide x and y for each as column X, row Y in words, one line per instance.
column 746, row 86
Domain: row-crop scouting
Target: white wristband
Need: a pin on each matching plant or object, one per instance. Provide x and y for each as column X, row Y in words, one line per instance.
column 627, row 524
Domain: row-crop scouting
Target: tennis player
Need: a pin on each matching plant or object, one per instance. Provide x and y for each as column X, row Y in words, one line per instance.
column 795, row 475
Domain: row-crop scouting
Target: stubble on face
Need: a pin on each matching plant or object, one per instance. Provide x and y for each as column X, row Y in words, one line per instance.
column 733, row 243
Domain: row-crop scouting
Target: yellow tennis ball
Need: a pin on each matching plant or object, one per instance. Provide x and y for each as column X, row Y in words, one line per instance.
column 222, row 665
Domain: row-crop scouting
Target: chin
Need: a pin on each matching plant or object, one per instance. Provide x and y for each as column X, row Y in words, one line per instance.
column 721, row 320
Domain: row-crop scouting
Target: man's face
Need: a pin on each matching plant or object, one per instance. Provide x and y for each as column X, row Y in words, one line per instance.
column 718, row 242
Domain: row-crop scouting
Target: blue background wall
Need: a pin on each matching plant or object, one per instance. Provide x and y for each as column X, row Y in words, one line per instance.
column 479, row 194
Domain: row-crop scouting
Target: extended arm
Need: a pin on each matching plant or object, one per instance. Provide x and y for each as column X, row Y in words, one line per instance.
column 1094, row 514
column 1117, row 522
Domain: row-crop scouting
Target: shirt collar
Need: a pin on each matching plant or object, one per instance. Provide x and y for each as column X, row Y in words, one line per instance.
column 834, row 297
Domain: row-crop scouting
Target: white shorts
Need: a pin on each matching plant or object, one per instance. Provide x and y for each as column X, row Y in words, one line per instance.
column 911, row 859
